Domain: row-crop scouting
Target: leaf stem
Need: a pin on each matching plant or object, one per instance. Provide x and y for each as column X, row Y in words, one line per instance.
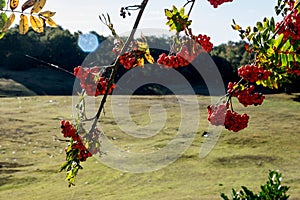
column 20, row 12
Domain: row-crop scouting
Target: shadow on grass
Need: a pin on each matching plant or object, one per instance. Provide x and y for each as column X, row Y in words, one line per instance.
column 238, row 160
column 8, row 169
column 296, row 98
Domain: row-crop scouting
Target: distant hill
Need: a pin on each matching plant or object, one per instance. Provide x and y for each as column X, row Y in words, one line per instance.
column 9, row 87
column 35, row 81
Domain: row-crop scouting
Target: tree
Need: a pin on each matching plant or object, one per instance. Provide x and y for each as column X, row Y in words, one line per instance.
column 270, row 57
column 274, row 60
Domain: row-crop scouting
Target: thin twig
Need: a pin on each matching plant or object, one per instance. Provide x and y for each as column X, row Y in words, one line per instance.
column 49, row 64
column 192, row 6
column 116, row 64
column 20, row 12
column 282, row 22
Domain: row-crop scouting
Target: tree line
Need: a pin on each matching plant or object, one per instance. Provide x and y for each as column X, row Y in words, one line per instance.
column 60, row 47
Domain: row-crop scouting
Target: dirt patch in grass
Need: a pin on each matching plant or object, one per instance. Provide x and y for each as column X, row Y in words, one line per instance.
column 244, row 160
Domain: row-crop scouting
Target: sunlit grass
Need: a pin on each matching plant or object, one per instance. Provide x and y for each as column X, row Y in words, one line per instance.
column 30, row 157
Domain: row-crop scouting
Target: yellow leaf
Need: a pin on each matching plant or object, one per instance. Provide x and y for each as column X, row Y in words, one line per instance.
column 28, row 4
column 47, row 14
column 37, row 24
column 1, row 35
column 275, row 85
column 139, row 62
column 50, row 22
column 142, row 46
column 258, row 82
column 38, row 6
column 149, row 58
column 23, row 27
column 13, row 4
column 236, row 27
column 9, row 22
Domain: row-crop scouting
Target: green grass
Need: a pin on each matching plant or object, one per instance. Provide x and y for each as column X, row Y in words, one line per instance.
column 30, row 157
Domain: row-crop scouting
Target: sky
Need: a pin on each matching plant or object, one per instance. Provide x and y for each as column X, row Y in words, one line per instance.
column 82, row 15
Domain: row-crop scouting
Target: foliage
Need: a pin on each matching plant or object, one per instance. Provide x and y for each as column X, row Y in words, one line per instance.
column 272, row 190
column 37, row 18
column 275, row 59
column 275, row 49
column 234, row 52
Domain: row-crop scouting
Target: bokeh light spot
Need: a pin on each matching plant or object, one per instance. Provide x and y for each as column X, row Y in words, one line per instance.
column 88, row 42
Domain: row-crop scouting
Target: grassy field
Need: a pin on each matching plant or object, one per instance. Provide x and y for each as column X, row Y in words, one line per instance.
column 30, row 156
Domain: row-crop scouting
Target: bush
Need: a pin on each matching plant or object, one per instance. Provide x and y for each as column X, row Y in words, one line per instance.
column 272, row 190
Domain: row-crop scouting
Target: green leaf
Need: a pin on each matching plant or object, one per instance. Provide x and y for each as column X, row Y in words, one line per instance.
column 2, row 4
column 175, row 10
column 255, row 29
column 278, row 40
column 65, row 165
column 249, row 37
column 177, row 20
column 272, row 24
column 283, row 58
column 259, row 26
column 266, row 22
column 2, row 35
column 168, row 13
column 290, row 58
column 181, row 11
column 297, row 58
column 3, row 20
column 286, row 46
column 270, row 52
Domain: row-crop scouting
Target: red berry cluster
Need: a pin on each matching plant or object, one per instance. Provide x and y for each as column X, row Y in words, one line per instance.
column 204, row 41
column 187, row 53
column 92, row 81
column 290, row 26
column 247, row 96
column 253, row 73
column 235, row 122
column 128, row 60
column 216, row 3
column 172, row 61
column 68, row 130
column 219, row 115
column 77, row 146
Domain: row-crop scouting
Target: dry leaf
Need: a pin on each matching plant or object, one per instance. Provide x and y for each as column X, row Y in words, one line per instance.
column 47, row 14
column 38, row 6
column 9, row 22
column 23, row 27
column 28, row 4
column 50, row 22
column 37, row 24
column 13, row 4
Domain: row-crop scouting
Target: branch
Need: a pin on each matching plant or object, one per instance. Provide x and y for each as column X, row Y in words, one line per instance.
column 192, row 6
column 116, row 64
column 282, row 22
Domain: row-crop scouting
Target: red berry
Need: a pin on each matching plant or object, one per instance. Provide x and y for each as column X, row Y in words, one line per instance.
column 247, row 96
column 216, row 3
column 253, row 73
